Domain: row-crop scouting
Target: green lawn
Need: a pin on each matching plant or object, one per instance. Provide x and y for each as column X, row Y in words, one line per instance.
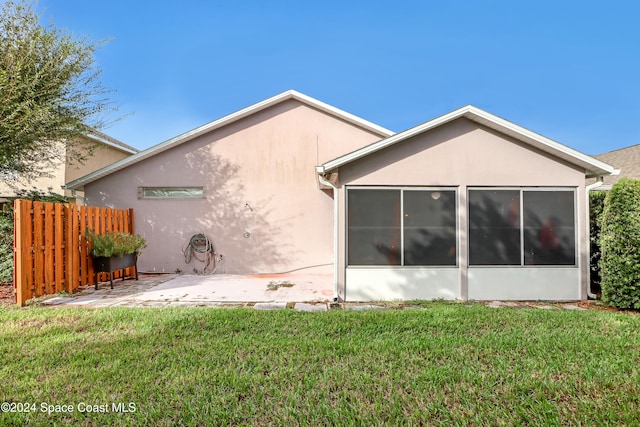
column 445, row 364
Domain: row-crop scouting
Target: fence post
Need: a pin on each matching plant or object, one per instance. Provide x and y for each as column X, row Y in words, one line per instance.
column 71, row 246
column 131, row 221
column 23, row 260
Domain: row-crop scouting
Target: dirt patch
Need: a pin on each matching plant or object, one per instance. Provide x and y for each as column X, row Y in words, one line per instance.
column 598, row 305
column 274, row 286
column 586, row 305
column 6, row 294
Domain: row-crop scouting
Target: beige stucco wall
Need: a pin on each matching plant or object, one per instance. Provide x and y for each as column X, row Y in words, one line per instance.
column 101, row 156
column 258, row 176
column 62, row 172
column 463, row 154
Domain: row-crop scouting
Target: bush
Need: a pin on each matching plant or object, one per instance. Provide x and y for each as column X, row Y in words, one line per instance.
column 115, row 243
column 6, row 246
column 596, row 206
column 620, row 245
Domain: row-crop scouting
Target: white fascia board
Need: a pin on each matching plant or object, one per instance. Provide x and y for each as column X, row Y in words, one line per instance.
column 187, row 136
column 383, row 132
column 104, row 141
column 590, row 164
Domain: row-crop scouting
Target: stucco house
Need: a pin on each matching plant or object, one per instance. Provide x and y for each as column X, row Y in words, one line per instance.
column 465, row 206
column 100, row 150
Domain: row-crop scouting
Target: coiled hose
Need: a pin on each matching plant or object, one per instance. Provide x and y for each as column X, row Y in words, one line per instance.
column 201, row 249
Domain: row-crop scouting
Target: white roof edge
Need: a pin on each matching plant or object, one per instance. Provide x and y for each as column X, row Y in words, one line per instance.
column 230, row 118
column 110, row 144
column 484, row 118
column 341, row 113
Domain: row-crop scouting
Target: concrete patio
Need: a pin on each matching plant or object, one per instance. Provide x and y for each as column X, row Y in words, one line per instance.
column 160, row 290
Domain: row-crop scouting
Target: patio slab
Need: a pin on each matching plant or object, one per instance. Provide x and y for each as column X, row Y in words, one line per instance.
column 243, row 288
column 220, row 290
column 270, row 306
column 304, row 306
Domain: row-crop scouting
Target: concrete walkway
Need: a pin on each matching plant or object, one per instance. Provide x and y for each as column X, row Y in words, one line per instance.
column 303, row 292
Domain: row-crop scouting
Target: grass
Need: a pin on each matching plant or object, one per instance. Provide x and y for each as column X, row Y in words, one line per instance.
column 444, row 364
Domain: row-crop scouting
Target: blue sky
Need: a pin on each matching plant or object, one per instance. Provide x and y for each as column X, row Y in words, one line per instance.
column 568, row 70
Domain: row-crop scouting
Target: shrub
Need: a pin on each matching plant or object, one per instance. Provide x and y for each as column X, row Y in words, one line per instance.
column 596, row 206
column 6, row 246
column 620, row 245
column 115, row 243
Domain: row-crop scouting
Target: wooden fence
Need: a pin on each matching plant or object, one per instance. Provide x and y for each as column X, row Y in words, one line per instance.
column 51, row 248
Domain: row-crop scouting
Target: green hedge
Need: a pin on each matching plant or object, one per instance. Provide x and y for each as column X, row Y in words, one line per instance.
column 620, row 243
column 6, row 246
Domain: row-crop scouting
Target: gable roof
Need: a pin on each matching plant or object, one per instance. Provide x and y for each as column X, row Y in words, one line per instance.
column 626, row 160
column 592, row 166
column 226, row 120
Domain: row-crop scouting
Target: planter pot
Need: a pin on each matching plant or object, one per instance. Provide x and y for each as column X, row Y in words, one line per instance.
column 113, row 263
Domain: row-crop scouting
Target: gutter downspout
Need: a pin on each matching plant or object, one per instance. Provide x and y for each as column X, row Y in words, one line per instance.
column 588, row 189
column 74, row 194
column 324, row 181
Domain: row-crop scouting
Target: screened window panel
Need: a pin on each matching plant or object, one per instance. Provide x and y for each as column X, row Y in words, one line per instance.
column 549, row 228
column 494, row 227
column 373, row 227
column 429, row 227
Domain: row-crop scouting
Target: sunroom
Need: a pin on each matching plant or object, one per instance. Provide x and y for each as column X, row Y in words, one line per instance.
column 466, row 206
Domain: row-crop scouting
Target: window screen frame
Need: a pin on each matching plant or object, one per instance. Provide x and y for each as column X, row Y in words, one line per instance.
column 402, row 190
column 523, row 190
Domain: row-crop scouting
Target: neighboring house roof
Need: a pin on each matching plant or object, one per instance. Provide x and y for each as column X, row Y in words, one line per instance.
column 110, row 141
column 224, row 121
column 592, row 166
column 627, row 160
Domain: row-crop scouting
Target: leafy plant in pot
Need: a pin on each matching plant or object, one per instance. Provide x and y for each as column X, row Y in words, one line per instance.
column 114, row 251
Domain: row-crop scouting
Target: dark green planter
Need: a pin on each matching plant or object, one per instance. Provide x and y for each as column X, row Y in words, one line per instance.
column 102, row 264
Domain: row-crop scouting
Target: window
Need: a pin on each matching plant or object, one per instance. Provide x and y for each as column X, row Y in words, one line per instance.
column 411, row 227
column 549, row 228
column 170, row 192
column 494, row 227
column 522, row 227
column 374, row 227
column 9, row 175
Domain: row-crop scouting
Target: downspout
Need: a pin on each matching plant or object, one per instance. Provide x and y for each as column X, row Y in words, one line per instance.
column 324, row 181
column 588, row 189
column 74, row 194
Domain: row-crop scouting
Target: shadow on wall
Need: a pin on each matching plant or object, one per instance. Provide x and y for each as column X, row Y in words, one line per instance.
column 244, row 232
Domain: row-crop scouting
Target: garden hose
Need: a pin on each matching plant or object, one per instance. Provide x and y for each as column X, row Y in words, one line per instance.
column 201, row 249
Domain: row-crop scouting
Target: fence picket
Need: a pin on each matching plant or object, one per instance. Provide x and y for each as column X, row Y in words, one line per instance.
column 49, row 249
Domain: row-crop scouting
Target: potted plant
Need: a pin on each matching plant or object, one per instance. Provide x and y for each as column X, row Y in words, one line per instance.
column 113, row 251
